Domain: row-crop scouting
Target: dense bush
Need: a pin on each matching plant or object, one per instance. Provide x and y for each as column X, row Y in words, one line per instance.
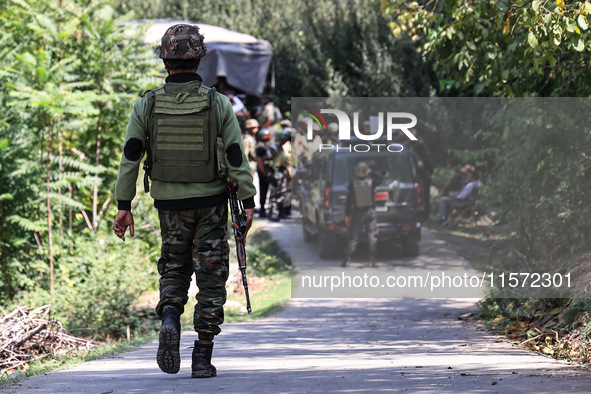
column 69, row 73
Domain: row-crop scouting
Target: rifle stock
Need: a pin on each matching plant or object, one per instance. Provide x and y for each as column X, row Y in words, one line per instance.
column 239, row 217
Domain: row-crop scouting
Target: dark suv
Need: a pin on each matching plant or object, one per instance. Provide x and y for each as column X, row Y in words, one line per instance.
column 323, row 194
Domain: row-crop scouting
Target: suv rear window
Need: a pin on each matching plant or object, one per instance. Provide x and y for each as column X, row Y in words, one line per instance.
column 397, row 166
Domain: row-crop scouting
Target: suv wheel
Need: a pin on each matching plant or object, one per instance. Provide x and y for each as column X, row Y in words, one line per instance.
column 410, row 248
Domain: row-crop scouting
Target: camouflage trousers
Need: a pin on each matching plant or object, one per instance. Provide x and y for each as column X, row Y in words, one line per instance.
column 277, row 188
column 363, row 219
column 195, row 240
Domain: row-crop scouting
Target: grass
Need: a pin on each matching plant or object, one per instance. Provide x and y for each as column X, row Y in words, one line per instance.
column 269, row 299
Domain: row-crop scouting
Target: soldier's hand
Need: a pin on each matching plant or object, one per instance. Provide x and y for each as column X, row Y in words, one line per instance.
column 347, row 221
column 123, row 220
column 249, row 216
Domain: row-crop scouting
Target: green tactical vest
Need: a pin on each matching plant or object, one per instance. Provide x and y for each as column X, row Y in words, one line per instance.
column 184, row 144
column 363, row 192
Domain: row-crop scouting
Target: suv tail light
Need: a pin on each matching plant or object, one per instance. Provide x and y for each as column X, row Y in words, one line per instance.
column 381, row 196
column 326, row 198
column 418, row 193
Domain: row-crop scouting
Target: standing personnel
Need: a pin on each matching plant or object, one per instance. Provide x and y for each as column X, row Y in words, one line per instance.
column 264, row 140
column 192, row 140
column 360, row 211
column 424, row 170
column 249, row 142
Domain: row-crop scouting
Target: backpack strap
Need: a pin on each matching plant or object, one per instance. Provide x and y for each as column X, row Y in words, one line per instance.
column 151, row 99
column 222, row 172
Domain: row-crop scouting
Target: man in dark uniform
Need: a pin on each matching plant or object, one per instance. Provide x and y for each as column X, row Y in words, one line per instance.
column 263, row 142
column 193, row 145
column 424, row 170
column 360, row 211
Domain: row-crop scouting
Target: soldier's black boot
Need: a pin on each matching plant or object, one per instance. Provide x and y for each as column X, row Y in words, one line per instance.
column 372, row 261
column 346, row 262
column 168, row 356
column 201, row 367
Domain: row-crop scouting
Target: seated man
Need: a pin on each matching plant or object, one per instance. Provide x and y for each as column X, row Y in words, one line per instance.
column 467, row 196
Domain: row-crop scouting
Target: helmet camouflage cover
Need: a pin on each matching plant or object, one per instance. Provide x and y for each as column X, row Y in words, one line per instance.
column 182, row 42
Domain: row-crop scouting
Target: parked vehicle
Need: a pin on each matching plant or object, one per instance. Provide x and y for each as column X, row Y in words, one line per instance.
column 323, row 194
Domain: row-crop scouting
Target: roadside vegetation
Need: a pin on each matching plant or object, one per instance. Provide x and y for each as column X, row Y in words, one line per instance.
column 269, row 285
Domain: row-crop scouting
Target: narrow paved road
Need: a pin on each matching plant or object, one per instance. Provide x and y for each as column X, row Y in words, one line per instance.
column 338, row 345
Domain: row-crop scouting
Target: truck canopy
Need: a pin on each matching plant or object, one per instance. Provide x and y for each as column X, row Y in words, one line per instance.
column 241, row 59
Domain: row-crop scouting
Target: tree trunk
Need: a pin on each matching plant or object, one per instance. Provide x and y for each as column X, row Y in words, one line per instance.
column 3, row 260
column 97, row 162
column 49, row 219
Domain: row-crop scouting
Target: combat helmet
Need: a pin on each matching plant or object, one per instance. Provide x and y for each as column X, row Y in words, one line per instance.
column 263, row 135
column 283, row 135
column 362, row 169
column 182, row 42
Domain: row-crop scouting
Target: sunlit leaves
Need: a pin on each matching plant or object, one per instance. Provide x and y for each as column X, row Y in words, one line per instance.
column 550, row 35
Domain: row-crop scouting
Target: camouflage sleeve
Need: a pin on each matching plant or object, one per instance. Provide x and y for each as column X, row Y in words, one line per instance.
column 133, row 151
column 236, row 160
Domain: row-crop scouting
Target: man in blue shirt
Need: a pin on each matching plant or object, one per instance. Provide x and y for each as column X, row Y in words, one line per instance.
column 466, row 197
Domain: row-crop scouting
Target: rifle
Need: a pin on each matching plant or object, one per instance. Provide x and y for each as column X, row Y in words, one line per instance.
column 239, row 217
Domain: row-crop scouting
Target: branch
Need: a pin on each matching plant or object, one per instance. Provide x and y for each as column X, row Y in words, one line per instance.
column 83, row 212
column 104, row 208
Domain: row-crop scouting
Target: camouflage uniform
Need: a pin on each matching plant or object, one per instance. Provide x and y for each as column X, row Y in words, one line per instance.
column 278, row 163
column 195, row 240
column 362, row 213
column 193, row 214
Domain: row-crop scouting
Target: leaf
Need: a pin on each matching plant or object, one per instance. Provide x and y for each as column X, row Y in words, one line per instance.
column 478, row 88
column 6, row 196
column 536, row 5
column 532, row 40
column 507, row 26
column 579, row 46
column 582, row 21
column 26, row 224
column 560, row 3
column 571, row 27
column 4, row 144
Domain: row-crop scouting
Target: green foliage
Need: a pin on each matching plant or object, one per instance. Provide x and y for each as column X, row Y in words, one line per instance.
column 69, row 72
column 265, row 257
column 498, row 48
column 96, row 288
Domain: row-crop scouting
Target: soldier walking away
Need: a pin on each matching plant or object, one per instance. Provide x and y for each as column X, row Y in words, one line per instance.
column 360, row 211
column 192, row 140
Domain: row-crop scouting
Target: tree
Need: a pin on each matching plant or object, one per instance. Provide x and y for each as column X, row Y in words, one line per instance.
column 68, row 74
column 501, row 48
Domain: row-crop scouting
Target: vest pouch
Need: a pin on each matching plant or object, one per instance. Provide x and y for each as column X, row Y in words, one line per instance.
column 183, row 144
column 363, row 192
column 222, row 170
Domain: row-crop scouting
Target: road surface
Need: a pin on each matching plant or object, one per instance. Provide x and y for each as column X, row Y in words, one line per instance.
column 336, row 346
